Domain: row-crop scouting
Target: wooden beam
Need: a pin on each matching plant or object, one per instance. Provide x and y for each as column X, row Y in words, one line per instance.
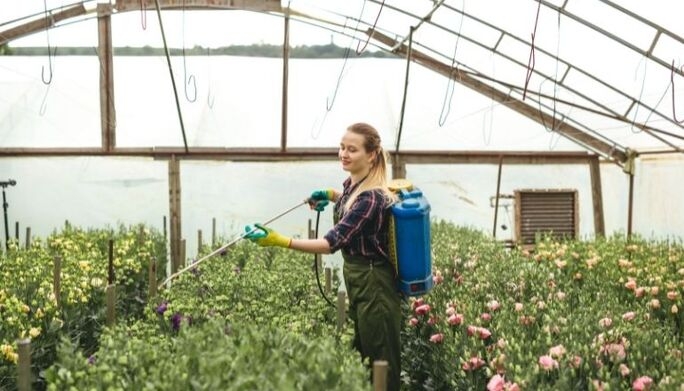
column 175, row 214
column 286, row 70
column 40, row 24
column 106, row 64
column 249, row 5
column 521, row 107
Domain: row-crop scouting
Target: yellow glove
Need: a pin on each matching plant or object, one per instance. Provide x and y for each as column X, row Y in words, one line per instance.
column 266, row 237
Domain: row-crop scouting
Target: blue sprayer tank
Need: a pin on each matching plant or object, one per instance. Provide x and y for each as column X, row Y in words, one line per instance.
column 412, row 240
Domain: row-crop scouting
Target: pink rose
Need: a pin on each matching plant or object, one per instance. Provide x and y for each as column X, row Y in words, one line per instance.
column 576, row 361
column 654, row 304
column 437, row 278
column 643, row 383
column 631, row 285
column 422, row 309
column 450, row 311
column 432, row 321
column 455, row 320
column 473, row 364
column 413, row 322
column 518, row 307
column 547, row 363
column 471, row 330
column 629, row 316
column 672, row 295
column 437, row 338
column 418, row 302
column 486, row 316
column 512, row 387
column 639, row 292
column 496, row 383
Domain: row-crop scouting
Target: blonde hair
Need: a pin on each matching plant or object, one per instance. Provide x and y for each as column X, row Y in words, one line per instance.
column 377, row 176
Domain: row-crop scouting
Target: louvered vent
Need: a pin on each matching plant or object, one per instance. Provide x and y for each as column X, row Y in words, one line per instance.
column 552, row 212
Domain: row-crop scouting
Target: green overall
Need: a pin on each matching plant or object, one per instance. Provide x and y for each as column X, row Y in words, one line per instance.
column 374, row 307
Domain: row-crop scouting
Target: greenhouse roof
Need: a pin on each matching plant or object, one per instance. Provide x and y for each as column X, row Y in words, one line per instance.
column 606, row 75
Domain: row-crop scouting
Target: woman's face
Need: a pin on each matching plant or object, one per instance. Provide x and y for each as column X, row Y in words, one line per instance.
column 353, row 155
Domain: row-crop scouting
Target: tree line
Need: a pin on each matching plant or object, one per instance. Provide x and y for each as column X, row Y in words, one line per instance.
column 256, row 50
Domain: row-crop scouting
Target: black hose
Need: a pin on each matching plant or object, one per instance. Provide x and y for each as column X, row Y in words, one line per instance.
column 318, row 278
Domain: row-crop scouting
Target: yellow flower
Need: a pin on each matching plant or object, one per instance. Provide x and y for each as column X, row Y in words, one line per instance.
column 39, row 313
column 34, row 332
column 25, row 309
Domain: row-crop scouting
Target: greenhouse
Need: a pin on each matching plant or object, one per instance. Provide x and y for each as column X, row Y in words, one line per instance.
column 140, row 141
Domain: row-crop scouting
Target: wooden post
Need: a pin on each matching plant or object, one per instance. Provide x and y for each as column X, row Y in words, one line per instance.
column 183, row 260
column 175, row 213
column 597, row 196
column 28, row 237
column 141, row 235
column 328, row 279
column 111, row 304
column 24, row 365
column 341, row 310
column 286, row 71
column 57, row 278
column 110, row 269
column 106, row 65
column 164, row 227
column 213, row 232
column 630, row 206
column 152, row 279
column 199, row 242
column 379, row 375
column 16, row 232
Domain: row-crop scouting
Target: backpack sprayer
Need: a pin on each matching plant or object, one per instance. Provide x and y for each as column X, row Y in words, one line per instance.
column 409, row 239
column 225, row 246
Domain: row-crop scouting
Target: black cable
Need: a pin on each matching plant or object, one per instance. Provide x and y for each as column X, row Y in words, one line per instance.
column 318, row 278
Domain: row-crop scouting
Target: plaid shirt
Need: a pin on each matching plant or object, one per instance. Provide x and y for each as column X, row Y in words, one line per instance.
column 363, row 229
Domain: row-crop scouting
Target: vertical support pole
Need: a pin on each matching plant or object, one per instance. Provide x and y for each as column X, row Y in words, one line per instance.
column 110, row 269
column 379, row 375
column 213, row 232
column 597, row 196
column 286, row 70
column 105, row 54
column 175, row 213
column 183, row 259
column 16, row 232
column 630, row 206
column 28, row 237
column 24, row 365
column 328, row 280
column 152, row 279
column 57, row 279
column 496, row 201
column 164, row 228
column 341, row 310
column 398, row 168
column 199, row 242
column 110, row 293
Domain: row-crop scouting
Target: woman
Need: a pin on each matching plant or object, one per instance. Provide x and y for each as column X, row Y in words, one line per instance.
column 361, row 216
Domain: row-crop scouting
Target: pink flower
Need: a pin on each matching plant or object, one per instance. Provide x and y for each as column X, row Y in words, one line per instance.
column 437, row 278
column 484, row 333
column 422, row 309
column 418, row 302
column 639, row 292
column 518, row 307
column 672, row 295
column 437, row 338
column 473, row 364
column 547, row 363
column 605, row 322
column 432, row 320
column 624, row 370
column 615, row 352
column 413, row 322
column 450, row 311
column 654, row 304
column 629, row 316
column 493, row 305
column 471, row 330
column 557, row 351
column 486, row 316
column 496, row 383
column 643, row 383
column 455, row 320
column 512, row 387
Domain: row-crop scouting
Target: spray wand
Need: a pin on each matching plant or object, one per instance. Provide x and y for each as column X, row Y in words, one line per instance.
column 232, row 242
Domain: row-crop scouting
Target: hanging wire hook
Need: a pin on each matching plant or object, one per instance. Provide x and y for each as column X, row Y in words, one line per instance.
column 330, row 102
column 210, row 98
column 450, row 81
column 143, row 14
column 531, row 61
column 674, row 112
column 185, row 69
column 47, row 34
column 359, row 51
